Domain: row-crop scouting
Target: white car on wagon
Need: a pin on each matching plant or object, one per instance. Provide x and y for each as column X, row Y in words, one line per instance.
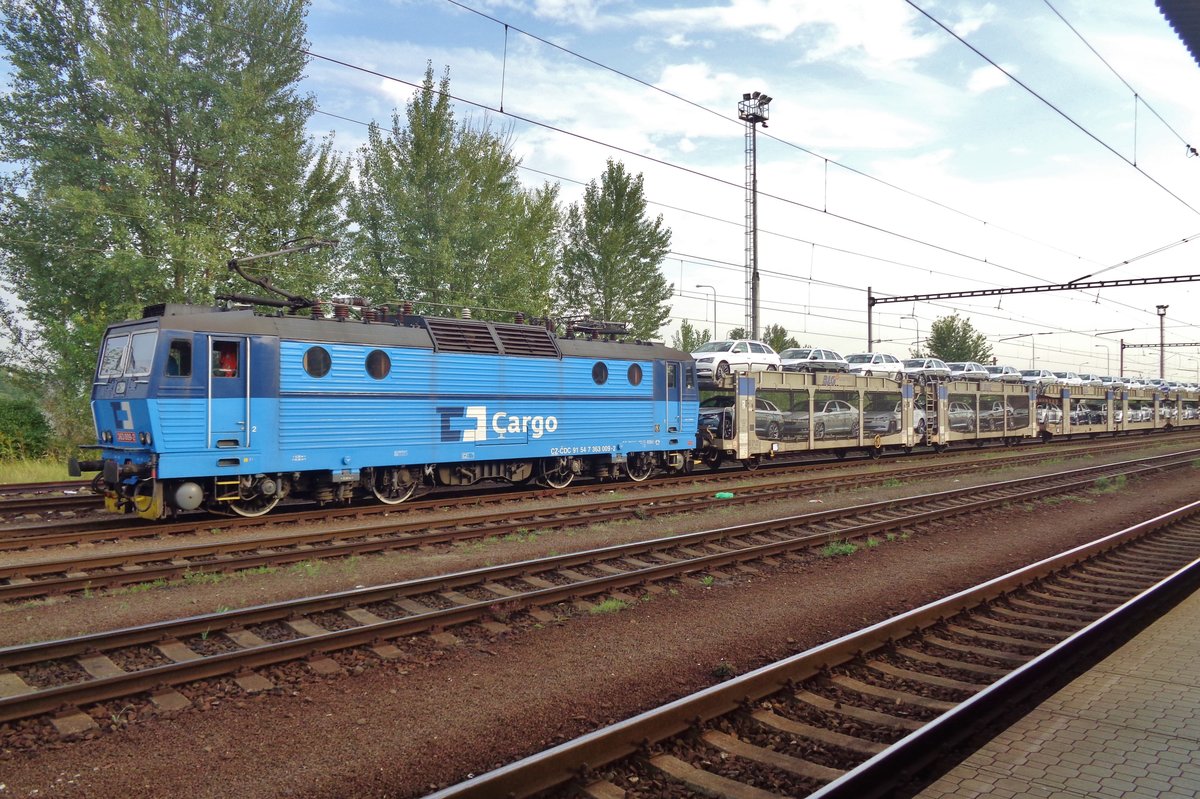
column 875, row 364
column 715, row 359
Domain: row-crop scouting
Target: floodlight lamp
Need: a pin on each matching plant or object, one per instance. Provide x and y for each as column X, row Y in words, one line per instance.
column 755, row 95
column 746, row 96
column 764, row 99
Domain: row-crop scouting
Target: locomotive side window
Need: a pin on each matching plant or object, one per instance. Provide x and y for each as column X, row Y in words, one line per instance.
column 141, row 353
column 600, row 373
column 179, row 358
column 672, row 375
column 378, row 364
column 635, row 374
column 316, row 361
column 113, row 355
column 225, row 359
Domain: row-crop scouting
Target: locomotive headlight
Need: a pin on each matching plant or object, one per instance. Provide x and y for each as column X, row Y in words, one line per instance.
column 144, row 438
column 106, row 437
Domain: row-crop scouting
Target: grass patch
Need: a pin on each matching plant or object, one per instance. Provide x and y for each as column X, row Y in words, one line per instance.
column 203, row 578
column 872, row 542
column 891, row 482
column 835, row 549
column 1108, row 485
column 609, row 605
column 707, row 580
column 521, row 536
column 723, row 671
column 307, row 568
column 32, row 470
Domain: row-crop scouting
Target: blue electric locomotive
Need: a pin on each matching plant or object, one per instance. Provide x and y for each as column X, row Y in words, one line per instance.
column 231, row 410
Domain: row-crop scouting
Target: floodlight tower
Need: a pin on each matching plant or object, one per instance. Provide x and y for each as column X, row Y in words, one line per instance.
column 1162, row 338
column 752, row 110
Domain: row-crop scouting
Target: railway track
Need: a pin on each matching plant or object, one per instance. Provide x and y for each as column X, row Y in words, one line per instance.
column 150, row 660
column 57, row 497
column 32, row 579
column 860, row 717
column 93, row 531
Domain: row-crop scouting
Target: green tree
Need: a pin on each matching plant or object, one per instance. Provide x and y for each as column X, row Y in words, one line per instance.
column 611, row 254
column 738, row 332
column 443, row 219
column 24, row 432
column 689, row 338
column 150, row 142
column 953, row 338
column 777, row 336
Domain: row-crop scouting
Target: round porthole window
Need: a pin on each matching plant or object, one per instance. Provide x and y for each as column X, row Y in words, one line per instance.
column 600, row 373
column 316, row 361
column 635, row 375
column 378, row 364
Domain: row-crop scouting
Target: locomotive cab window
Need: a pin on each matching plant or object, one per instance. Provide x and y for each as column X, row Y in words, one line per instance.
column 179, row 358
column 225, row 359
column 316, row 361
column 600, row 373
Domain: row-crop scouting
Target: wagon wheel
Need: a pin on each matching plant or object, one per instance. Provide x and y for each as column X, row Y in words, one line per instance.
column 639, row 465
column 712, row 459
column 752, row 463
column 556, row 473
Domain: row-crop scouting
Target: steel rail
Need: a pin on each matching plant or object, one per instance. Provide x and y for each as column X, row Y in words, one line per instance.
column 58, row 533
column 128, row 568
column 878, row 776
column 38, row 701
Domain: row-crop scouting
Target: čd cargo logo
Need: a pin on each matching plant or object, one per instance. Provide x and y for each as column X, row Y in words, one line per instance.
column 471, row 423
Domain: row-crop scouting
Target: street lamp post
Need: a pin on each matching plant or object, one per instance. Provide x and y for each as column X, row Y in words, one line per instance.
column 1032, row 345
column 714, row 291
column 1162, row 333
column 917, row 323
column 1107, row 358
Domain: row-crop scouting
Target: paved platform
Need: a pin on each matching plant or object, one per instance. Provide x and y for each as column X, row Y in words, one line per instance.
column 1130, row 727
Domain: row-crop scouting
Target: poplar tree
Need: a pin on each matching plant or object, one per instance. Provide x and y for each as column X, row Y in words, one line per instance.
column 689, row 338
column 151, row 142
column 443, row 220
column 611, row 256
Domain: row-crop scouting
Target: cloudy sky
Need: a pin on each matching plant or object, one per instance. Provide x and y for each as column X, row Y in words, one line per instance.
column 912, row 147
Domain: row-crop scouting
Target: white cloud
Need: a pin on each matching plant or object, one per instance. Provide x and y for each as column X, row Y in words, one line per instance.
column 988, row 77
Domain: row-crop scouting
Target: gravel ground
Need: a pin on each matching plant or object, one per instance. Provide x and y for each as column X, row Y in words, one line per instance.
column 443, row 711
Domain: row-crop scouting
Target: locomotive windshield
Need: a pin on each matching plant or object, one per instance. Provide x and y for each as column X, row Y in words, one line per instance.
column 132, row 356
column 113, row 355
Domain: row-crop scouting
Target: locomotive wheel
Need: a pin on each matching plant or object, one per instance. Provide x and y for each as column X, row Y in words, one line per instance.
column 254, row 507
column 556, row 473
column 393, row 495
column 640, row 465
